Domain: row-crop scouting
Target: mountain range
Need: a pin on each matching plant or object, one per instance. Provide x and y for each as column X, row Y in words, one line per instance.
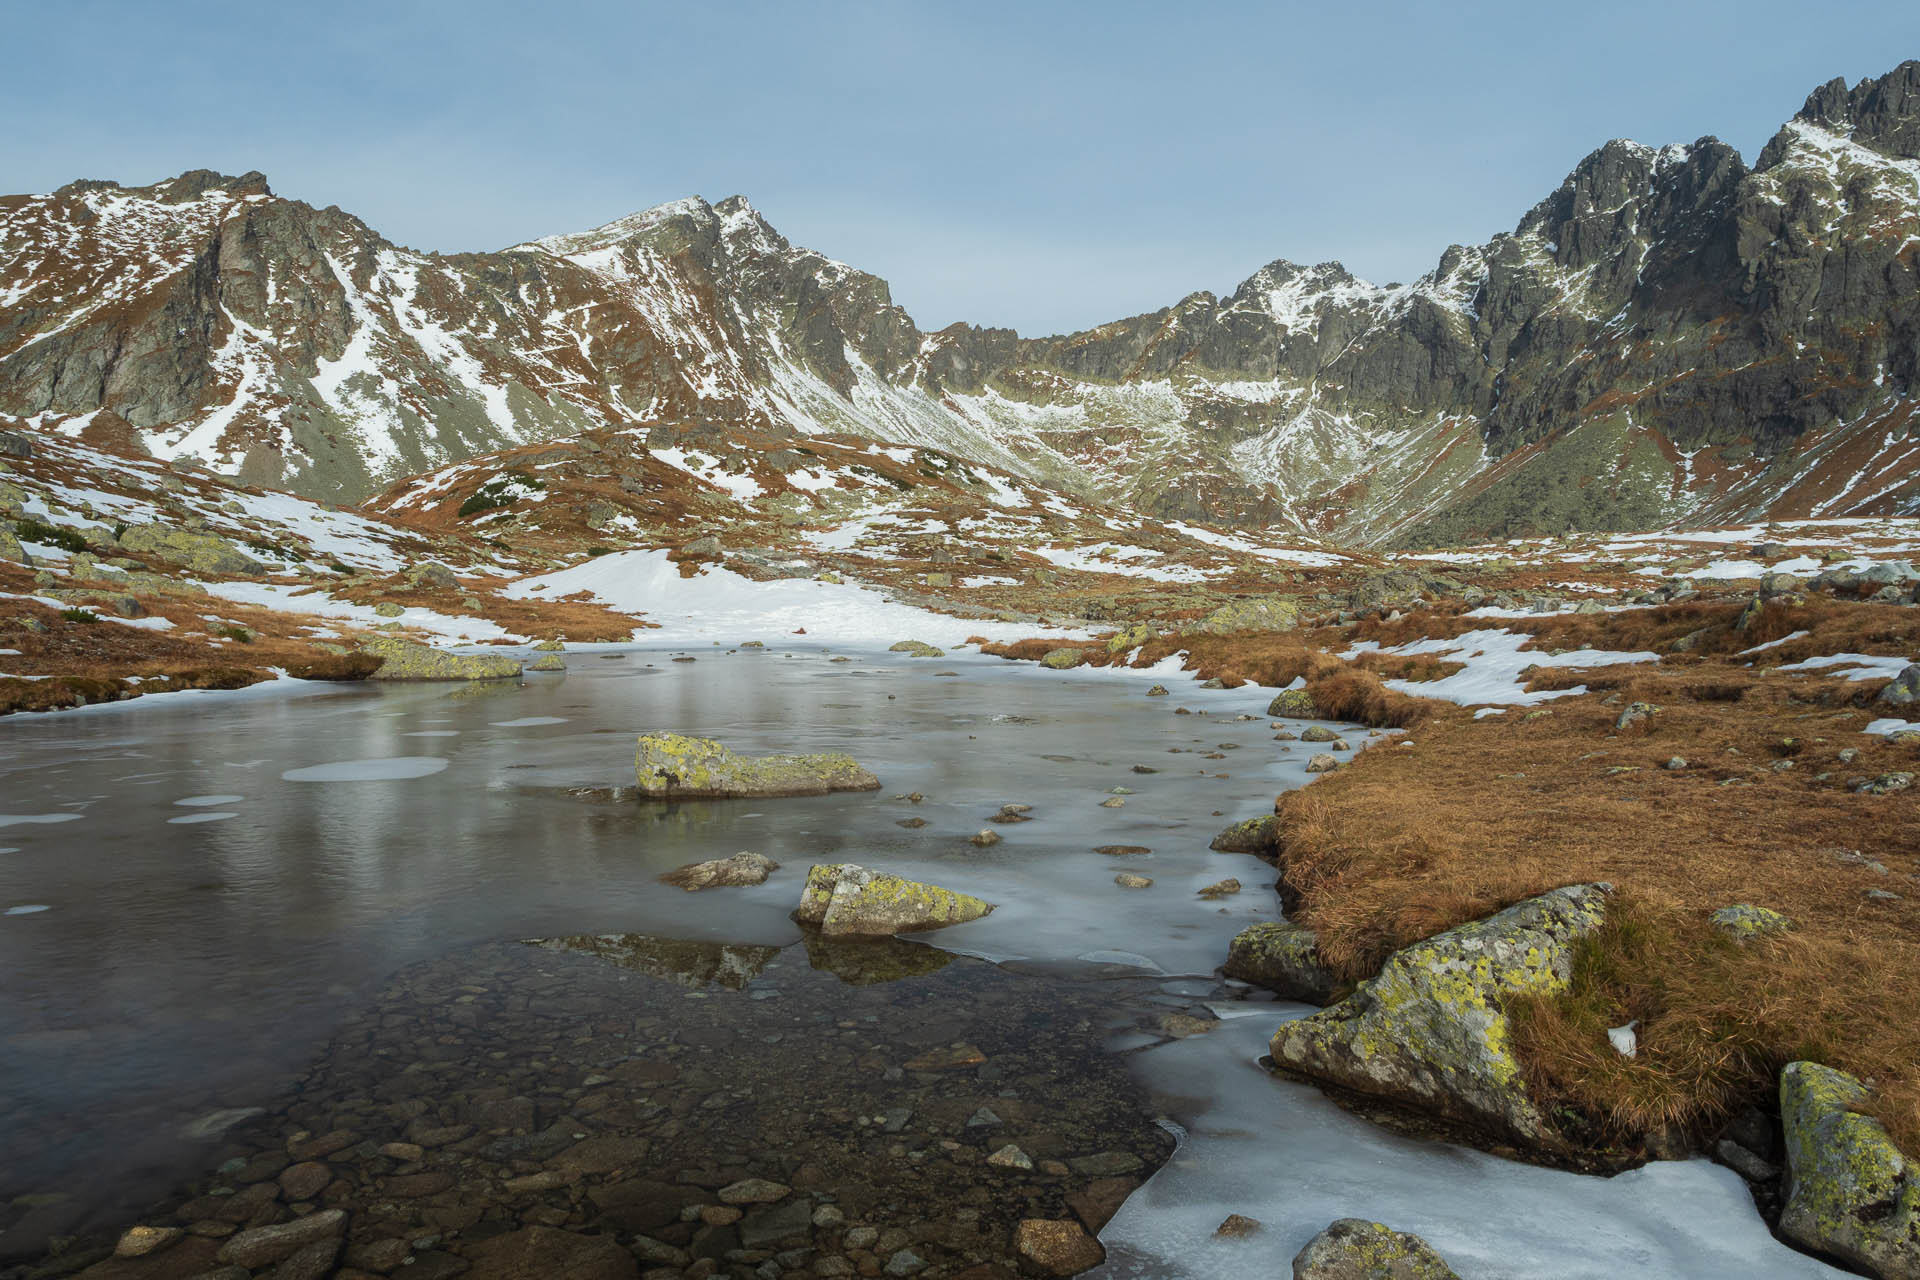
column 1673, row 336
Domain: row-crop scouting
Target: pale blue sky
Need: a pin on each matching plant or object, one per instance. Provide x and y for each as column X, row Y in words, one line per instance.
column 1045, row 166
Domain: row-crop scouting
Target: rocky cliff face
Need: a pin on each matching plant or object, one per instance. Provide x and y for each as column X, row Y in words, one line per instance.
column 1669, row 336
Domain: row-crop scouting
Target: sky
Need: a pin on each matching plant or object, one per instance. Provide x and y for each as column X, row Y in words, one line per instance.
column 1043, row 166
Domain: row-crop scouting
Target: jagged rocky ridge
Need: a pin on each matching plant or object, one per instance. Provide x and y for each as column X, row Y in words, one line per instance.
column 1670, row 337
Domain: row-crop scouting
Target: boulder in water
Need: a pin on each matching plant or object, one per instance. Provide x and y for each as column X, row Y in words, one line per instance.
column 405, row 660
column 847, row 900
column 742, row 868
column 1284, row 958
column 673, row 766
column 1355, row 1249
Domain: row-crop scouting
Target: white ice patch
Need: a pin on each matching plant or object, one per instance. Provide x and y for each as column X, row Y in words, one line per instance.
column 375, row 770
column 192, row 819
column 41, row 819
column 1494, row 662
column 208, row 802
column 527, row 722
column 1860, row 666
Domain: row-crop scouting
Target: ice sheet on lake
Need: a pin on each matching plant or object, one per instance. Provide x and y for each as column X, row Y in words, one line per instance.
column 190, row 819
column 41, row 819
column 208, row 802
column 1279, row 1152
column 526, row 722
column 376, row 770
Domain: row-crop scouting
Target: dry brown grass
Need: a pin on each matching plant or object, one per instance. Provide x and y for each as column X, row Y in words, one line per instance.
column 1481, row 814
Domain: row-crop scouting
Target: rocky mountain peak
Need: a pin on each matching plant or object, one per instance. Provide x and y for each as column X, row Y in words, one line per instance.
column 1882, row 113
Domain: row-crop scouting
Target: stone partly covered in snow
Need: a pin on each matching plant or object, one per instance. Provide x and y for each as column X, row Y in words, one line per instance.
column 1262, row 613
column 1061, row 659
column 1284, row 958
column 1743, row 922
column 1850, row 1192
column 1255, row 835
column 1355, row 1249
column 672, row 766
column 405, row 660
column 1904, row 689
column 742, row 868
column 849, row 900
column 200, row 552
column 1429, row 1029
column 1292, row 704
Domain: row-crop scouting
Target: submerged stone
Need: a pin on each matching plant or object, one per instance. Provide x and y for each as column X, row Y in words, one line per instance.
column 743, row 868
column 849, row 900
column 672, row 766
column 1429, row 1029
column 1850, row 1191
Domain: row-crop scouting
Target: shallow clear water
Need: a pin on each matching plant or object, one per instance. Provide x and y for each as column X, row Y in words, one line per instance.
column 181, row 968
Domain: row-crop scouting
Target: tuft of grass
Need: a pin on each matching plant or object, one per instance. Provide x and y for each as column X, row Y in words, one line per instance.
column 50, row 535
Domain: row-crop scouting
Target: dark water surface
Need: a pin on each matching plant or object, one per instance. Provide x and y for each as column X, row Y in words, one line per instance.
column 187, row 963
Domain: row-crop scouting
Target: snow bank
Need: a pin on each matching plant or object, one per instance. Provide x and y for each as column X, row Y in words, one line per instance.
column 718, row 604
column 1494, row 663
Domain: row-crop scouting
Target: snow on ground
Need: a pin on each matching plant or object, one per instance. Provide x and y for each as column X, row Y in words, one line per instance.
column 1860, row 666
column 719, row 604
column 1111, row 557
column 1289, row 555
column 1494, row 662
column 442, row 627
column 1891, row 725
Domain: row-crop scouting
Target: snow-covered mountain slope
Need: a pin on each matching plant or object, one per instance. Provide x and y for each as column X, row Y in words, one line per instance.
column 1670, row 337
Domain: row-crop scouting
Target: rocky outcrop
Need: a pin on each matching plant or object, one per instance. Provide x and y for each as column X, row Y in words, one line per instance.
column 405, row 660
column 1430, row 1030
column 1904, row 689
column 672, row 766
column 743, row 868
column 1355, row 1249
column 200, row 552
column 1284, row 958
column 847, row 900
column 1850, row 1192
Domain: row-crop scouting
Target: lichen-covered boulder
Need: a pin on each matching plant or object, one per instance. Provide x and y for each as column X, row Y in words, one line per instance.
column 1255, row 835
column 743, row 868
column 847, row 900
column 1318, row 733
column 672, row 766
column 1903, row 690
column 1743, row 922
column 1430, row 1030
column 1130, row 638
column 1293, row 704
column 916, row 649
column 550, row 646
column 548, row 662
column 1355, row 1249
column 200, row 552
column 405, row 660
column 1263, row 613
column 1284, row 958
column 1061, row 659
column 12, row 551
column 432, row 574
column 1850, row 1192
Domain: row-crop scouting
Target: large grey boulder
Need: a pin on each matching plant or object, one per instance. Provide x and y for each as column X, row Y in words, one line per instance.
column 1850, row 1191
column 1355, row 1249
column 1430, row 1030
column 848, row 900
column 1904, row 690
column 673, row 766
column 405, row 660
column 1284, row 958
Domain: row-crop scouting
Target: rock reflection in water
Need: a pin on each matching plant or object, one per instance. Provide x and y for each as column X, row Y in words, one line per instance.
column 860, row 962
column 691, row 964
